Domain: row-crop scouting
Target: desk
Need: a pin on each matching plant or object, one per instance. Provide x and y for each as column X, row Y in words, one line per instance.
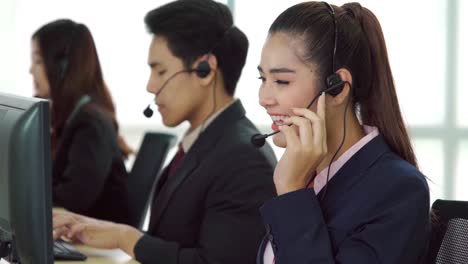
column 98, row 256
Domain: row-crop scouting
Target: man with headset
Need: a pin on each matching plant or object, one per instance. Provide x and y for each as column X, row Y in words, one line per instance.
column 205, row 206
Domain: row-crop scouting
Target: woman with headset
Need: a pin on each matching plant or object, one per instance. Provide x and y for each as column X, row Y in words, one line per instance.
column 89, row 176
column 349, row 190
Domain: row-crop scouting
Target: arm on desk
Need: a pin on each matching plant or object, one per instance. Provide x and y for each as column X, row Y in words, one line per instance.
column 95, row 233
column 231, row 228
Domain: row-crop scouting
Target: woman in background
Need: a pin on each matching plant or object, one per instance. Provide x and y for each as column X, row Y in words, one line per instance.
column 349, row 190
column 89, row 176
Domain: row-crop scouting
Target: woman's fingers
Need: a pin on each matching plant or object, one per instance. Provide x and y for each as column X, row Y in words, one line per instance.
column 292, row 140
column 62, row 220
column 59, row 232
column 305, row 129
column 75, row 230
column 321, row 106
column 316, row 137
column 321, row 112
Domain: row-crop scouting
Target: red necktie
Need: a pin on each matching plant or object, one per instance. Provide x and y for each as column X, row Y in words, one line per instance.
column 176, row 161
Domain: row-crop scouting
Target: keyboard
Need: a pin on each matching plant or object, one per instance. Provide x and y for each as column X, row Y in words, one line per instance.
column 66, row 251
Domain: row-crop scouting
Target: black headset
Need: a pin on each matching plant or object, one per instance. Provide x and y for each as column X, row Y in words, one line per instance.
column 334, row 84
column 202, row 70
column 333, row 80
column 64, row 61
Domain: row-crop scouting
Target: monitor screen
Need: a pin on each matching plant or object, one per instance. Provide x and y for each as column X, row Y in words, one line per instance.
column 25, row 179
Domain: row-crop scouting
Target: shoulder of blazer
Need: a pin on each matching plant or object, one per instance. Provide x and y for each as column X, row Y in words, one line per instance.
column 92, row 115
column 394, row 171
column 377, row 169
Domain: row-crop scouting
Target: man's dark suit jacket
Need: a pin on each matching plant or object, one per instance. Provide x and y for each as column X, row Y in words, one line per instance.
column 207, row 211
column 89, row 175
column 375, row 210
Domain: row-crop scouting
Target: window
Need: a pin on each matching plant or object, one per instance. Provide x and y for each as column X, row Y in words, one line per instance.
column 462, row 60
column 430, row 154
column 461, row 180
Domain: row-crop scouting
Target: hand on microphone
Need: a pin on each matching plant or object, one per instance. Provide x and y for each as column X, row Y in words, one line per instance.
column 306, row 147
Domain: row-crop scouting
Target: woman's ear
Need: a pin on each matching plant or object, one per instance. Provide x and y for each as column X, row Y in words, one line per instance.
column 342, row 97
column 345, row 75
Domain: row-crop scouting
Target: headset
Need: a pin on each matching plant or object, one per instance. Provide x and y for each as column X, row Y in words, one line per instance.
column 334, row 79
column 334, row 84
column 202, row 70
column 64, row 61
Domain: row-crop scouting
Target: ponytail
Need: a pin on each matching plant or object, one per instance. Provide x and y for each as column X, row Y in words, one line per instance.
column 361, row 49
column 380, row 107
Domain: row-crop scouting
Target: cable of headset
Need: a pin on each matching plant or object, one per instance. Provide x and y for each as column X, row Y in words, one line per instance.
column 203, row 69
column 226, row 33
column 339, row 147
column 214, row 103
column 332, row 78
column 213, row 110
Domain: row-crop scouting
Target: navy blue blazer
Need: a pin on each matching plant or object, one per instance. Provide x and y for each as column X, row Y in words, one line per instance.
column 375, row 210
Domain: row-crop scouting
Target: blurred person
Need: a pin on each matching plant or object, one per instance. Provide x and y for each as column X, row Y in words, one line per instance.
column 89, row 176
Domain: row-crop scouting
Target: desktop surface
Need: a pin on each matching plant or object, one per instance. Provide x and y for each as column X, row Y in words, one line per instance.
column 98, row 256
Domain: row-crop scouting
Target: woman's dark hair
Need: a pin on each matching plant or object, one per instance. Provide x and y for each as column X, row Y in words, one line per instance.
column 361, row 49
column 73, row 70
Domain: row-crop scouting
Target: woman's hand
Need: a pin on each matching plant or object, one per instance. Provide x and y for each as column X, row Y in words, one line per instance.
column 95, row 233
column 305, row 148
column 63, row 220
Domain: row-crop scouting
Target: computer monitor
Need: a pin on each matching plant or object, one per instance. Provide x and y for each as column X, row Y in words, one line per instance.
column 25, row 180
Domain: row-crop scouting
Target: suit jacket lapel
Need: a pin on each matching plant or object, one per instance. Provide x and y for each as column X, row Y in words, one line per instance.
column 202, row 146
column 187, row 165
column 157, row 187
column 352, row 172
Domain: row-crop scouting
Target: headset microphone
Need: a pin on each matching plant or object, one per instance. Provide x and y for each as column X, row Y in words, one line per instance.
column 258, row 140
column 148, row 112
column 202, row 70
column 333, row 83
column 334, row 87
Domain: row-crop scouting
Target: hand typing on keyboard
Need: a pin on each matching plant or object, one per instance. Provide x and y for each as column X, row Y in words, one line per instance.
column 95, row 233
column 63, row 220
column 65, row 251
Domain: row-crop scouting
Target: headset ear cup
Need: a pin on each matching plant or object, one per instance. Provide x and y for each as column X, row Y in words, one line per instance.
column 203, row 69
column 334, row 81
